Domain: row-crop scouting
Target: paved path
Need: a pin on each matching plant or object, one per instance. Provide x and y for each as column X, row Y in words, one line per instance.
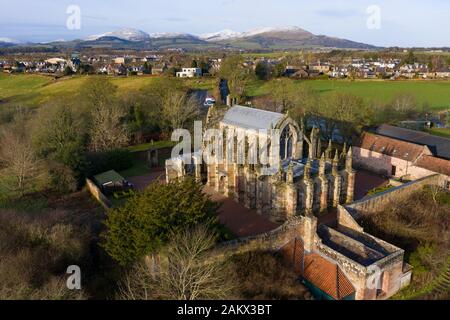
column 366, row 181
column 241, row 221
column 141, row 182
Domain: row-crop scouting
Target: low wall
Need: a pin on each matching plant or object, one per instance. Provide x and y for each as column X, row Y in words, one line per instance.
column 378, row 201
column 97, row 194
column 272, row 240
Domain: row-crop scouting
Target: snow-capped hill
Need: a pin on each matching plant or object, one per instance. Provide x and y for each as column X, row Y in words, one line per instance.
column 9, row 40
column 228, row 34
column 124, row 34
column 157, row 35
column 221, row 35
column 258, row 31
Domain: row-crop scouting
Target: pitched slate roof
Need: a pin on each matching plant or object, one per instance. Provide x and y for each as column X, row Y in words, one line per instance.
column 327, row 276
column 251, row 118
column 391, row 147
column 434, row 164
column 440, row 146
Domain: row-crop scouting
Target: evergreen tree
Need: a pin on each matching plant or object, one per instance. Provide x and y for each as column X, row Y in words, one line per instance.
column 144, row 224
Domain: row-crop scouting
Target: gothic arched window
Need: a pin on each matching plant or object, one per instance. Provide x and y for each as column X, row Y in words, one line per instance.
column 286, row 143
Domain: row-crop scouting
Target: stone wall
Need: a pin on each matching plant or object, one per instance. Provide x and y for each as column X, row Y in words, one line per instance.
column 302, row 230
column 378, row 201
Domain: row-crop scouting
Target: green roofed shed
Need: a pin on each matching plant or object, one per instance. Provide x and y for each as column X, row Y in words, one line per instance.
column 108, row 177
column 110, row 181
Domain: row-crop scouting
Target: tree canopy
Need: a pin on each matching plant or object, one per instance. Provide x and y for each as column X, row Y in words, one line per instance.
column 143, row 225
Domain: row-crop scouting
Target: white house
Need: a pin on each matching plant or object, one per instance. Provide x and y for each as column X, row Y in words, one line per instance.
column 189, row 73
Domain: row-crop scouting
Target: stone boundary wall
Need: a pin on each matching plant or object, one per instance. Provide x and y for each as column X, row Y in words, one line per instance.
column 97, row 194
column 378, row 201
column 272, row 240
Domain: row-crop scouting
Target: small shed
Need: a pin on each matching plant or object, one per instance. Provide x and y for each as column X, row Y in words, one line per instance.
column 110, row 181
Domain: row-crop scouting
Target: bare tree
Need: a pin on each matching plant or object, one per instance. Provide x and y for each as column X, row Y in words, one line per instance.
column 405, row 104
column 435, row 191
column 108, row 130
column 178, row 109
column 18, row 160
column 188, row 273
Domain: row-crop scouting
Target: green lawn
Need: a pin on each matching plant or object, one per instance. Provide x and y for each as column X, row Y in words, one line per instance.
column 33, row 90
column 436, row 93
column 440, row 132
column 139, row 168
column 156, row 145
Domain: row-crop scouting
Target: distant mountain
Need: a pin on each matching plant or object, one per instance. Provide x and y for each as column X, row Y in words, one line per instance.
column 8, row 42
column 283, row 38
column 286, row 38
column 157, row 35
column 128, row 34
column 221, row 35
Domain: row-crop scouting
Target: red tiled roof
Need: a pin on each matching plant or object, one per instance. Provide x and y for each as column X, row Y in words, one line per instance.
column 392, row 147
column 434, row 164
column 327, row 276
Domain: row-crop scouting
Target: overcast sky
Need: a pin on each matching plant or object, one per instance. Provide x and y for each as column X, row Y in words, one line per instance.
column 402, row 23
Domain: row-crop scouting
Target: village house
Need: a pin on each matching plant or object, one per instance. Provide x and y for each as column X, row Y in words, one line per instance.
column 410, row 156
column 189, row 73
column 122, row 60
column 158, row 70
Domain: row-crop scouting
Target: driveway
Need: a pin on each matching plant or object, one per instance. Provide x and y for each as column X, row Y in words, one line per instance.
column 141, row 182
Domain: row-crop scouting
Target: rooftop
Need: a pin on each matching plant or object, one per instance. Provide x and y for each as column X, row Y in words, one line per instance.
column 440, row 146
column 392, row 147
column 251, row 118
column 327, row 276
column 108, row 177
column 434, row 164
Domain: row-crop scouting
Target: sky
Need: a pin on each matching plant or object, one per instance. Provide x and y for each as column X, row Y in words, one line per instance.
column 405, row 23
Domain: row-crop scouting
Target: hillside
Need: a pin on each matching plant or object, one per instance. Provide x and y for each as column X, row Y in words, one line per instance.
column 288, row 38
column 34, row 90
column 283, row 38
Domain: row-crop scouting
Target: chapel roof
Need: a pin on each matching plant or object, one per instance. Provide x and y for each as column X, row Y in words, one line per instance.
column 251, row 118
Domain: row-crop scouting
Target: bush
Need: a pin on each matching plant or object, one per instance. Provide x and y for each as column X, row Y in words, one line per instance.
column 118, row 160
column 33, row 257
column 263, row 276
column 61, row 178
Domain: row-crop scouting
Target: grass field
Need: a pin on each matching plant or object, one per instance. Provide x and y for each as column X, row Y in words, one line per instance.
column 32, row 90
column 440, row 132
column 436, row 93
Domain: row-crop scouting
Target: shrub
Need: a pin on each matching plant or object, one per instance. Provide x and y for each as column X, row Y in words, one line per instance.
column 263, row 276
column 118, row 159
